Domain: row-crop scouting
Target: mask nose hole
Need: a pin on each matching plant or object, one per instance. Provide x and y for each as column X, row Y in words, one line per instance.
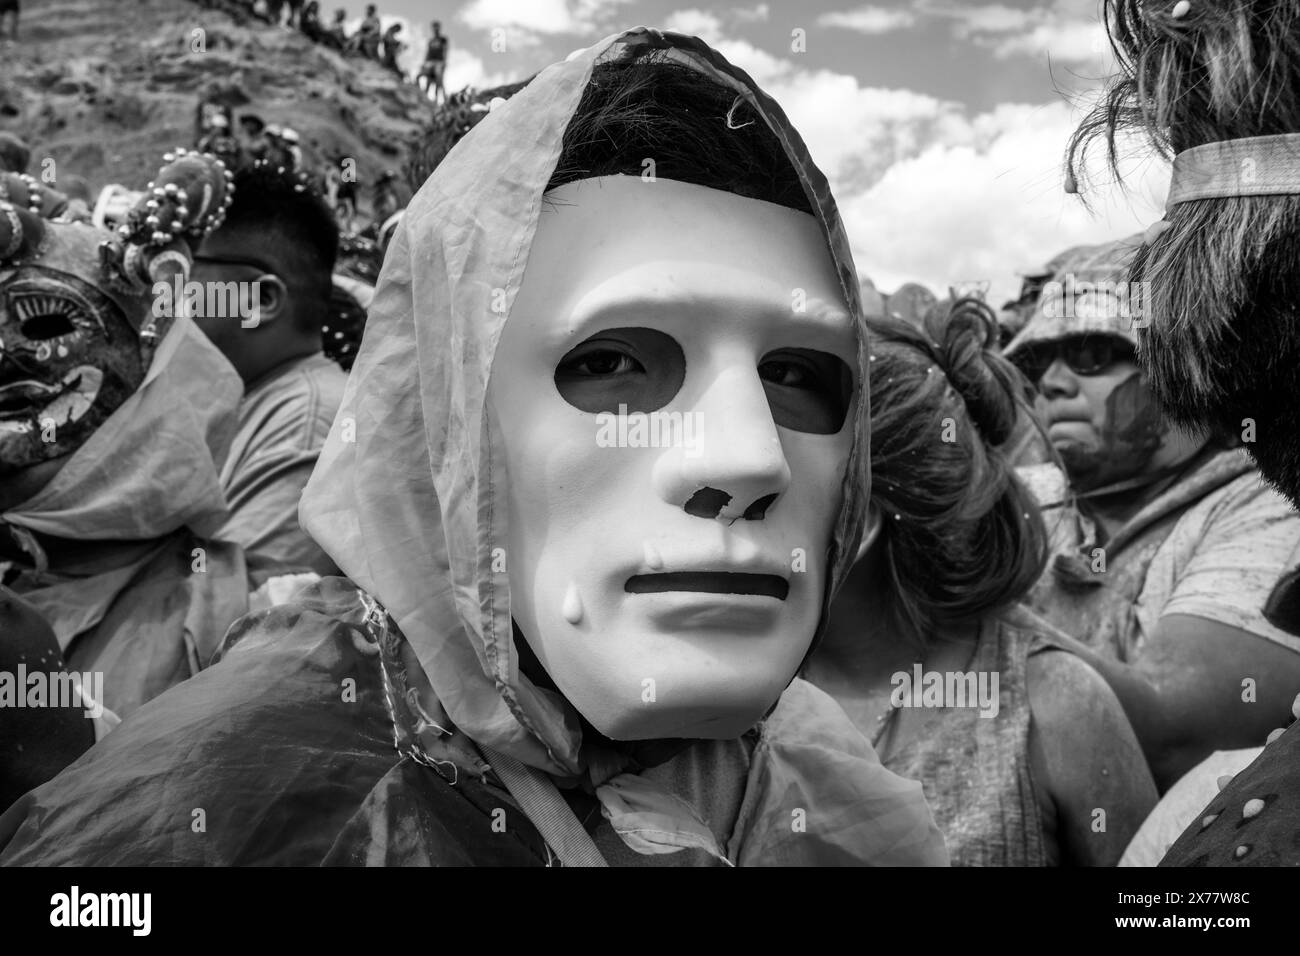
column 707, row 503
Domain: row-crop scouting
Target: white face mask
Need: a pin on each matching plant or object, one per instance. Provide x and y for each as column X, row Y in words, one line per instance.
column 673, row 391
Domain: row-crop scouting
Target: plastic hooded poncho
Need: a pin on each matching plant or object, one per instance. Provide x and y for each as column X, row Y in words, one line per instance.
column 373, row 720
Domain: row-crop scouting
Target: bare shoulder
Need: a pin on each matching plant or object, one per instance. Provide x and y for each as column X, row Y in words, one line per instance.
column 1085, row 758
column 1064, row 688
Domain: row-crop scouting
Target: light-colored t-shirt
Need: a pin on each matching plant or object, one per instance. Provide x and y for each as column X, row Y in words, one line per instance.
column 1222, row 560
column 1212, row 546
column 284, row 419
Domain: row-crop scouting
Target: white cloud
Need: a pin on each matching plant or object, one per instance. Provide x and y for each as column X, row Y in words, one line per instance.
column 1072, row 41
column 545, row 17
column 869, row 19
column 756, row 14
column 982, row 18
column 989, row 205
column 934, row 194
column 1068, row 31
column 929, row 191
column 697, row 23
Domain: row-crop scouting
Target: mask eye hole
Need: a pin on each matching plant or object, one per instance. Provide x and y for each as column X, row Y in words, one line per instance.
column 47, row 326
column 807, row 390
column 639, row 369
column 43, row 315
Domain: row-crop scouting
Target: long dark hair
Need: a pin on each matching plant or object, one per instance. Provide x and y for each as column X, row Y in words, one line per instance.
column 1221, row 346
column 961, row 535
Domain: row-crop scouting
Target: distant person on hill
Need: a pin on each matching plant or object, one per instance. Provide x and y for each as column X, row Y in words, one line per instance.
column 262, row 10
column 14, row 153
column 277, row 150
column 221, row 143
column 253, row 132
column 435, row 64
column 291, row 142
column 392, row 48
column 341, row 192
column 368, row 36
column 9, row 7
column 337, row 35
column 385, row 201
column 275, row 10
column 310, row 25
column 295, row 12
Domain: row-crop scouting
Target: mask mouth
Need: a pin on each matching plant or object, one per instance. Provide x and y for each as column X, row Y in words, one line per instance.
column 64, row 402
column 711, row 582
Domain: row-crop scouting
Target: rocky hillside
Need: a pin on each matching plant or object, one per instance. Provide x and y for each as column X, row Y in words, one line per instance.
column 104, row 87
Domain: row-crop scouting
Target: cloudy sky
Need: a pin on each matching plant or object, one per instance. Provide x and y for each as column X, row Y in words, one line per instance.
column 940, row 123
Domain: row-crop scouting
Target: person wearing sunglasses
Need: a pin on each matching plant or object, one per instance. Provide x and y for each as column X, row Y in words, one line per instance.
column 1176, row 541
column 266, row 275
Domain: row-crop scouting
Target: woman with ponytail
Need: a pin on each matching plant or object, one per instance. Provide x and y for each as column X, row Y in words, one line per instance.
column 1024, row 753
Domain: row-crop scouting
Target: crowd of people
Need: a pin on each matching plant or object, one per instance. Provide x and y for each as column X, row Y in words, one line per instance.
column 370, row 40
column 971, row 587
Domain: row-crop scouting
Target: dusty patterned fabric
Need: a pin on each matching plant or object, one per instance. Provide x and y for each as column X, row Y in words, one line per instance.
column 975, row 770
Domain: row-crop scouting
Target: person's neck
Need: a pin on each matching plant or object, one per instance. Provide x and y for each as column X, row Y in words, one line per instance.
column 861, row 650
column 1114, row 505
column 860, row 644
column 256, row 369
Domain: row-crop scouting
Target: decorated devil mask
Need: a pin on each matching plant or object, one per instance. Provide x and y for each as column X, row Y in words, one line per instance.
column 673, row 398
column 79, row 320
column 70, row 357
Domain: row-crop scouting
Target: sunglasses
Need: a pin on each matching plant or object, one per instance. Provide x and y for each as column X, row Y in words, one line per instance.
column 1083, row 355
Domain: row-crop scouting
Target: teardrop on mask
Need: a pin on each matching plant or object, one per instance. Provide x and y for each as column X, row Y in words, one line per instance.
column 652, row 559
column 572, row 606
column 62, row 351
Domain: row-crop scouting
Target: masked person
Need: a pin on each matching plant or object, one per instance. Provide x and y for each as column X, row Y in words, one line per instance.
column 590, row 639
column 1178, row 540
column 1029, row 742
column 1217, row 87
column 279, row 240
column 112, row 417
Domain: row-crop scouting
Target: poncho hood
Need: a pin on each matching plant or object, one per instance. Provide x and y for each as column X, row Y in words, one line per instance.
column 399, row 498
